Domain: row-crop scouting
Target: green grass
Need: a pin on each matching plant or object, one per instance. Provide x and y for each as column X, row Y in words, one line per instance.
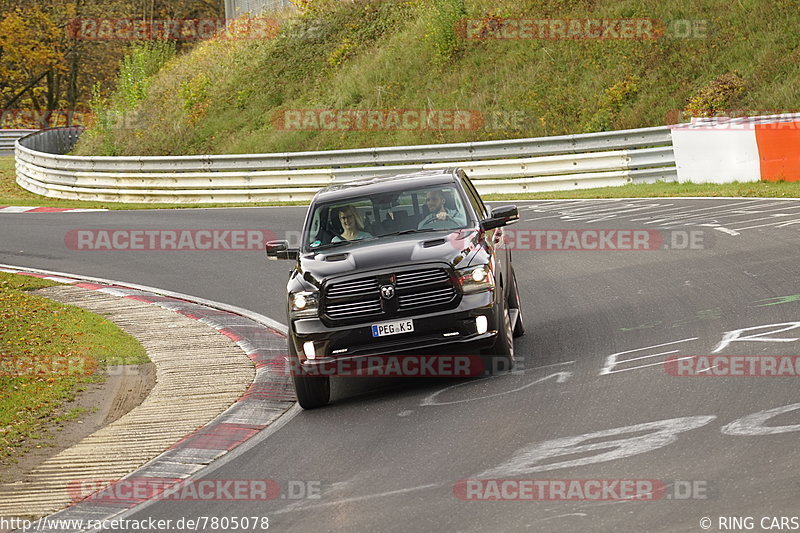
column 48, row 353
column 222, row 96
column 662, row 189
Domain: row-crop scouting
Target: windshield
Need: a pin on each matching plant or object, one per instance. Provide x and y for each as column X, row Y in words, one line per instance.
column 374, row 216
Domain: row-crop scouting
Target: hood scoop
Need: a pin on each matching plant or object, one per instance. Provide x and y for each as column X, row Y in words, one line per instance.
column 433, row 242
column 335, row 257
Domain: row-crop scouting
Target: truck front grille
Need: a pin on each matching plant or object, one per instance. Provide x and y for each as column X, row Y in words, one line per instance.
column 415, row 291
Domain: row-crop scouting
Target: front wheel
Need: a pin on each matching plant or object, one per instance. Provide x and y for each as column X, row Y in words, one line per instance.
column 500, row 357
column 516, row 307
column 311, row 391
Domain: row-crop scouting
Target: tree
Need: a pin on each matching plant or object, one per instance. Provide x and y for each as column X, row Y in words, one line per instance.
column 43, row 67
column 30, row 51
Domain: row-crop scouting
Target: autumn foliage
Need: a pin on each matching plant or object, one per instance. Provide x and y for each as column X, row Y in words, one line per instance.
column 46, row 74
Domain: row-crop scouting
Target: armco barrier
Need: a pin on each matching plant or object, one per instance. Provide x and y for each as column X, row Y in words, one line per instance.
column 8, row 137
column 510, row 166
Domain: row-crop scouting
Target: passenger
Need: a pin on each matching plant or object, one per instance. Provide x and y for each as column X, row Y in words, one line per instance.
column 352, row 225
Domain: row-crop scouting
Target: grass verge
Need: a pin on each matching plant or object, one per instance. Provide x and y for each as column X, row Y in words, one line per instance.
column 48, row 353
column 661, row 189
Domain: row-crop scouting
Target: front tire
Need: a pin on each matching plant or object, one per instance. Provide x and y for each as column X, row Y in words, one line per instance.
column 514, row 303
column 311, row 391
column 500, row 357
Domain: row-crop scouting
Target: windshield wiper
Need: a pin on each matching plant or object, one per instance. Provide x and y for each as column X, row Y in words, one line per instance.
column 332, row 245
column 407, row 231
column 340, row 243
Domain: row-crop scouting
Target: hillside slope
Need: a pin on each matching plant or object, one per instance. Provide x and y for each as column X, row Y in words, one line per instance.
column 233, row 96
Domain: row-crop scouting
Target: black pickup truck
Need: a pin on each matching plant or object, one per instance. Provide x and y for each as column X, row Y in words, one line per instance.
column 412, row 263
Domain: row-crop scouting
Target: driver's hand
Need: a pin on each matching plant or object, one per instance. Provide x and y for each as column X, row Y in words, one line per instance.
column 441, row 215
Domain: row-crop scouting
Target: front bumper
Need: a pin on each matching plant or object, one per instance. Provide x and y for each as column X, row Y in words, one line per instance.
column 445, row 332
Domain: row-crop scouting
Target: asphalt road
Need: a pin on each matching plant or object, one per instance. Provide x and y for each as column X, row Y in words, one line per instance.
column 390, row 454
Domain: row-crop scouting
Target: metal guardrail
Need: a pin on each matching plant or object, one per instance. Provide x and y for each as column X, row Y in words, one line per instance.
column 254, row 8
column 510, row 166
column 421, row 154
column 8, row 137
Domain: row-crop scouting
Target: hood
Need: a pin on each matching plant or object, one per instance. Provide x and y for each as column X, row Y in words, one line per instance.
column 455, row 248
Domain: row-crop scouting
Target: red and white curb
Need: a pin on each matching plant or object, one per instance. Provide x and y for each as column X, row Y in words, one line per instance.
column 266, row 401
column 11, row 209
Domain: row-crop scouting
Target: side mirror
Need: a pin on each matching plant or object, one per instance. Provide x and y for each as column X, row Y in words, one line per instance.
column 501, row 216
column 280, row 250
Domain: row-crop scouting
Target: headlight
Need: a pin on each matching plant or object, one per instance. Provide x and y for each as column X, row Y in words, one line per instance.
column 303, row 304
column 476, row 279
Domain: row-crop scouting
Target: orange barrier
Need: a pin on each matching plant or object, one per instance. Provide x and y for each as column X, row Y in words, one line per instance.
column 779, row 151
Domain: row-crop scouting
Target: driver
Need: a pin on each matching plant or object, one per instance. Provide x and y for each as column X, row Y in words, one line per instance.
column 437, row 212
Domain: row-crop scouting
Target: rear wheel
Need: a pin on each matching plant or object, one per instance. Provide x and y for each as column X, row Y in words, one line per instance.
column 311, row 391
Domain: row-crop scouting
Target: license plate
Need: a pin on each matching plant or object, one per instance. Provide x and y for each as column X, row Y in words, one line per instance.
column 392, row 328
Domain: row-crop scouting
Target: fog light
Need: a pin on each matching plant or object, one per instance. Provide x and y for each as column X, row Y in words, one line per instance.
column 481, row 324
column 308, row 349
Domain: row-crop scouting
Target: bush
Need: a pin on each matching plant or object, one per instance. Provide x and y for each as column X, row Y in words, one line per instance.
column 442, row 34
column 136, row 71
column 717, row 96
column 137, row 68
column 611, row 103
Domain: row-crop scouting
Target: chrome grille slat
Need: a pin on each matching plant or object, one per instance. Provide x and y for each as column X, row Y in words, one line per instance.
column 424, row 304
column 432, row 277
column 354, row 305
column 430, row 294
column 352, row 287
column 353, row 292
column 421, row 273
column 351, row 314
column 428, row 299
column 422, row 285
column 349, row 284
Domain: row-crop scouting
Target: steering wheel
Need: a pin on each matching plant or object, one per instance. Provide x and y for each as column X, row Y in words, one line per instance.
column 444, row 221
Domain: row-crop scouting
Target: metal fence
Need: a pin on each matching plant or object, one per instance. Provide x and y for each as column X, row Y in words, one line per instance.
column 255, row 8
column 509, row 166
column 8, row 137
